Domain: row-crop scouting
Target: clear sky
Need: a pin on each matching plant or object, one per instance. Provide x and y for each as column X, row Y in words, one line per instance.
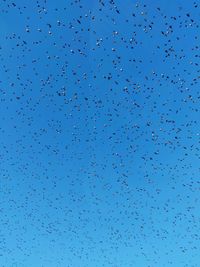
column 99, row 133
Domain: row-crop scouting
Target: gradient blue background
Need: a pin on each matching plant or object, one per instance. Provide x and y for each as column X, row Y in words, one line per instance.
column 99, row 133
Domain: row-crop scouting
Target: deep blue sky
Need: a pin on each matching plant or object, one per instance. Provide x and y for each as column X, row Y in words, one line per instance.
column 99, row 133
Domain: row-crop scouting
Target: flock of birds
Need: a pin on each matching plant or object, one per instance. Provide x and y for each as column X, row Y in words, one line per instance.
column 99, row 133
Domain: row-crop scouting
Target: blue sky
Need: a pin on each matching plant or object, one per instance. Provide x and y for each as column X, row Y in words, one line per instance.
column 99, row 133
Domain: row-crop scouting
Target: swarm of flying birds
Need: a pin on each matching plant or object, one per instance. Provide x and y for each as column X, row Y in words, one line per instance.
column 99, row 133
